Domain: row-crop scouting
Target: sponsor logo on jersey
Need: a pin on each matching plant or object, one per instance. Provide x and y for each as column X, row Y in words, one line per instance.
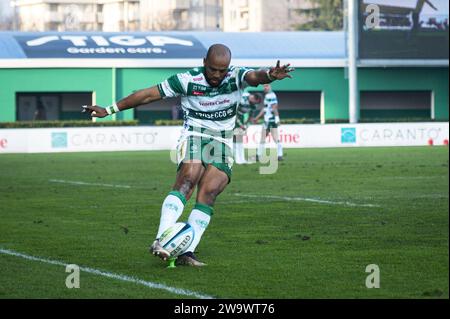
column 226, row 101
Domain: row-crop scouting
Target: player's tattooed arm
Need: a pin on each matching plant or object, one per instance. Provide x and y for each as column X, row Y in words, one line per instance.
column 135, row 99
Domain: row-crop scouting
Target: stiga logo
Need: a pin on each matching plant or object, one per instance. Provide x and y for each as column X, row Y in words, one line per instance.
column 110, row 45
column 59, row 140
column 348, row 135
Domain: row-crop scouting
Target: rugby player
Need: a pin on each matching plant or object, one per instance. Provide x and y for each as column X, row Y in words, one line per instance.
column 209, row 96
column 271, row 122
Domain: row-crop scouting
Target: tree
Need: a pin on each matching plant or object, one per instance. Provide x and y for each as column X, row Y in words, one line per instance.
column 323, row 15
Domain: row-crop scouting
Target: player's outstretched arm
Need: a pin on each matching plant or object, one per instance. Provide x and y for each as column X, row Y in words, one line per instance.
column 140, row 97
column 255, row 78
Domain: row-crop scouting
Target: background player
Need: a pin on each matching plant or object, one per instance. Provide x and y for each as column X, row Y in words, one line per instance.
column 245, row 115
column 271, row 122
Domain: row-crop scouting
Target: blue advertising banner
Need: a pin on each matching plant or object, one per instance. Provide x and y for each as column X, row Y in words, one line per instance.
column 111, row 45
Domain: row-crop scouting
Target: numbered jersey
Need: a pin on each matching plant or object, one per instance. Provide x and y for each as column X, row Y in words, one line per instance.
column 207, row 110
column 270, row 100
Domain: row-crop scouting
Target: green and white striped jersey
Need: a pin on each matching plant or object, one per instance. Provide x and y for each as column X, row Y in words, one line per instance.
column 245, row 111
column 269, row 100
column 207, row 108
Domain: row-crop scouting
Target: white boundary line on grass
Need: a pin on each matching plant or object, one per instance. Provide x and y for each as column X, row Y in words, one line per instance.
column 287, row 198
column 303, row 199
column 149, row 284
column 85, row 183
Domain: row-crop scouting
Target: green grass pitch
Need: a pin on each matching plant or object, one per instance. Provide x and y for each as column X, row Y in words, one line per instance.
column 308, row 231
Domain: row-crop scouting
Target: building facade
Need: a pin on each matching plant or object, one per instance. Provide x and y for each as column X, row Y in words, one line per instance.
column 263, row 15
column 194, row 15
column 157, row 15
column 76, row 15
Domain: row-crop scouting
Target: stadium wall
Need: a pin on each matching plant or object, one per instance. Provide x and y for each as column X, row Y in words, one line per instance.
column 110, row 84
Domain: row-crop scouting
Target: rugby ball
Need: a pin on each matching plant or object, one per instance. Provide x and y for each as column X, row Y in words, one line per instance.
column 177, row 238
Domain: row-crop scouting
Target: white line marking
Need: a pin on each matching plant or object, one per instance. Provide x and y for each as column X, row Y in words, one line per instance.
column 85, row 183
column 149, row 284
column 412, row 177
column 302, row 199
column 232, row 202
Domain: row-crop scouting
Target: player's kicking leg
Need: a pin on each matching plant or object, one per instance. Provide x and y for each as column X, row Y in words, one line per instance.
column 187, row 178
column 212, row 183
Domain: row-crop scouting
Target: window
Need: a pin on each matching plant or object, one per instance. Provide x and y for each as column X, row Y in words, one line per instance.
column 49, row 106
column 244, row 22
column 396, row 105
column 299, row 105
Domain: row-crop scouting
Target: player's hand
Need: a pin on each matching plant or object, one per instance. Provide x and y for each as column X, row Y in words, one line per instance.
column 94, row 110
column 281, row 72
column 277, row 120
